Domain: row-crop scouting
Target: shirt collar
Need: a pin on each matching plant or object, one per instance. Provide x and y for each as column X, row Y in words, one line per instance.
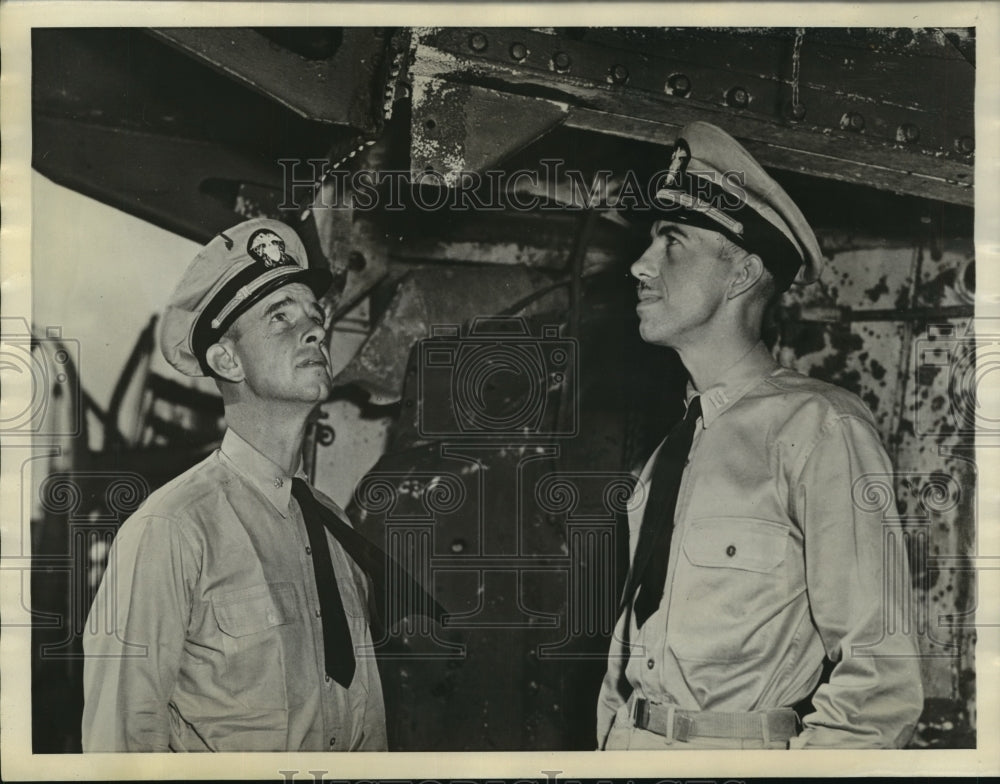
column 734, row 383
column 272, row 481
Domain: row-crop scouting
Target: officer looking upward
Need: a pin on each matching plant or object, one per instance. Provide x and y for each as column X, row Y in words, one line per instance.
column 233, row 612
column 750, row 560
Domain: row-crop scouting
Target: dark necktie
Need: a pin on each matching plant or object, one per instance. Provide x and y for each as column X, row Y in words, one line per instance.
column 386, row 573
column 338, row 648
column 649, row 568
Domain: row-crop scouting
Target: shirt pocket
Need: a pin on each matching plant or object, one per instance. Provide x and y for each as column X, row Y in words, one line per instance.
column 731, row 543
column 254, row 622
column 730, row 589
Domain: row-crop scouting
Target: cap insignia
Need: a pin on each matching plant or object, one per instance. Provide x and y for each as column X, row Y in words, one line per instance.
column 268, row 248
column 678, row 163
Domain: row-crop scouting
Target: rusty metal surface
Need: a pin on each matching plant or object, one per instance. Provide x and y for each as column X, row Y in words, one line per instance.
column 353, row 244
column 489, row 101
column 509, row 238
column 460, row 127
column 905, row 370
column 621, row 82
column 429, row 297
column 841, row 71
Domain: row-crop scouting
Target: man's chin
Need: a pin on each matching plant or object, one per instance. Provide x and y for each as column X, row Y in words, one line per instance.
column 314, row 393
column 323, row 390
column 650, row 334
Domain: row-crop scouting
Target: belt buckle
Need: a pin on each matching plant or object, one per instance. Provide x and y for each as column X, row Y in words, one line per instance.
column 682, row 727
column 640, row 713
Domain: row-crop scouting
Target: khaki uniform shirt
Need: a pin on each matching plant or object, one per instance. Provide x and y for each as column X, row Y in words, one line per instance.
column 205, row 632
column 777, row 558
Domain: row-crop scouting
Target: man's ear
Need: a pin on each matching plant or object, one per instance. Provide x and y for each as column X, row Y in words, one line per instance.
column 224, row 362
column 748, row 272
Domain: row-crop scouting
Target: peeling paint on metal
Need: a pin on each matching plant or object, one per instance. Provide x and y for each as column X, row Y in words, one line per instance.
column 926, row 435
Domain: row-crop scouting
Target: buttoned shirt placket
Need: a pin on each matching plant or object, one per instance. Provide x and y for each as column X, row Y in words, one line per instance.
column 278, row 494
column 715, row 401
column 676, row 542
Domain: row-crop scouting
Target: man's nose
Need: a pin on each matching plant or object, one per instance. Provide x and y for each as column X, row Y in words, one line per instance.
column 315, row 332
column 643, row 267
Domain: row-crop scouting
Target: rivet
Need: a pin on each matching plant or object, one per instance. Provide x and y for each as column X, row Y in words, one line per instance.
column 965, row 145
column 619, row 73
column 797, row 111
column 458, row 546
column 731, row 550
column 908, row 133
column 356, row 261
column 903, row 36
column 852, row 121
column 678, row 84
column 518, row 51
column 561, row 61
column 478, row 42
column 738, row 97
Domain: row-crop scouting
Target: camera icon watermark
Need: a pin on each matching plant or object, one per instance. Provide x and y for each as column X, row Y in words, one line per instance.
column 499, row 380
column 39, row 372
column 956, row 385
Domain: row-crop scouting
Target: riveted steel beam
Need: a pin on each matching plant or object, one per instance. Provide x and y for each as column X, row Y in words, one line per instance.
column 816, row 104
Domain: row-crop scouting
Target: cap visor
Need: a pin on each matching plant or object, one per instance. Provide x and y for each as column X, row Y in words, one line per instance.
column 316, row 278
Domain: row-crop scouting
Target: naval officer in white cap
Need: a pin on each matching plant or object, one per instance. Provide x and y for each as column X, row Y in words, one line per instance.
column 752, row 562
column 233, row 615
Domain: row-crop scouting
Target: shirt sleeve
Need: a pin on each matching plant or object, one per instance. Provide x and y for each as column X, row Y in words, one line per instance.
column 135, row 637
column 844, row 502
column 615, row 688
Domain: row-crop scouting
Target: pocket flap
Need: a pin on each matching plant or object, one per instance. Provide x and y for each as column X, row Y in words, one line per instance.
column 252, row 610
column 736, row 543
